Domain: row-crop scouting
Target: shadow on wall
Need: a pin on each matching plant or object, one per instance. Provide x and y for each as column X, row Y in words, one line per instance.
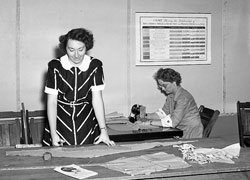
column 57, row 54
column 43, row 96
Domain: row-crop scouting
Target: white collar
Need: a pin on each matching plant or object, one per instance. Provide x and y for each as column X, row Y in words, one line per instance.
column 83, row 66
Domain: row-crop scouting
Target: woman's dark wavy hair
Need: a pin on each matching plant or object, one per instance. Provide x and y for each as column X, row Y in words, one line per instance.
column 168, row 75
column 79, row 34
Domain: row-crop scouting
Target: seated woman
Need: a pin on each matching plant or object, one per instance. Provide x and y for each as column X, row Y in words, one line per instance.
column 180, row 109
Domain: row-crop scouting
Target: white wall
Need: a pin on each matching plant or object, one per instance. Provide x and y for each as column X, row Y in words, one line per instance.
column 203, row 81
column 44, row 21
column 236, row 52
column 9, row 70
column 30, row 38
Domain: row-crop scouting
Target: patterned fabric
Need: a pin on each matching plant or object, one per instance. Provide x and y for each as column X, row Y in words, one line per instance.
column 184, row 113
column 76, row 120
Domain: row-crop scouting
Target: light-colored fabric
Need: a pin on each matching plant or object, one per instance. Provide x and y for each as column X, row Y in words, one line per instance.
column 50, row 91
column 83, row 67
column 167, row 121
column 209, row 155
column 147, row 164
column 161, row 113
column 98, row 88
column 184, row 113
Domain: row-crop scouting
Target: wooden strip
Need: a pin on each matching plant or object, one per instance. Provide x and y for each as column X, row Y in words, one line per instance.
column 7, row 121
column 10, row 114
column 1, row 135
column 28, row 145
column 40, row 131
column 12, row 134
column 7, row 134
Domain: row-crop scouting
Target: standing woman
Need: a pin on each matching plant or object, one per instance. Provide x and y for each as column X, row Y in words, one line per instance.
column 74, row 87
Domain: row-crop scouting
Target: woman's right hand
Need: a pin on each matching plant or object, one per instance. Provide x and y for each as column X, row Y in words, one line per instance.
column 56, row 140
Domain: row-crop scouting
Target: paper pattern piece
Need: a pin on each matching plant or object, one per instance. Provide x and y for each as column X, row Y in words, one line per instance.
column 75, row 171
column 209, row 155
column 118, row 122
column 147, row 164
column 114, row 116
column 91, row 151
column 126, row 126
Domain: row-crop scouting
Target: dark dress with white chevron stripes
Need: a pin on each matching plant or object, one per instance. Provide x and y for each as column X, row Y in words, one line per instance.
column 76, row 120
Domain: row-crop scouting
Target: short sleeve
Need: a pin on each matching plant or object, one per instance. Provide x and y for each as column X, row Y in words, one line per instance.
column 51, row 81
column 98, row 81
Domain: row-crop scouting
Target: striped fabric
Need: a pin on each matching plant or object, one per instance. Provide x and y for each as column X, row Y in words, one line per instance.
column 76, row 121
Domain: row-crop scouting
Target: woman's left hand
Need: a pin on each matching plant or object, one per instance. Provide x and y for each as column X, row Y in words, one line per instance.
column 105, row 138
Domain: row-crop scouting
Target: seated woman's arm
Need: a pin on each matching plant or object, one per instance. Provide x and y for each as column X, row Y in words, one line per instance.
column 152, row 116
column 158, row 118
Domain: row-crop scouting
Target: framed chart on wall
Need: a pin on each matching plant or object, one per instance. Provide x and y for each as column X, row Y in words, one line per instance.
column 173, row 38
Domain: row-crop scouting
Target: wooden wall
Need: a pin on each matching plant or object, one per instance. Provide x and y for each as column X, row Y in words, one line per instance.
column 10, row 131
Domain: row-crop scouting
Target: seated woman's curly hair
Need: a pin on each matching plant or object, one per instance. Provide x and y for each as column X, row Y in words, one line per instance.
column 79, row 34
column 168, row 75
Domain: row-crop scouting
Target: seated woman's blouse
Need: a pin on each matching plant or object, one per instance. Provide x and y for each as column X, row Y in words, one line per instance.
column 184, row 113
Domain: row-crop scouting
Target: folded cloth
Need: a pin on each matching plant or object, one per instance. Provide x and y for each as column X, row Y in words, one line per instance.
column 207, row 155
column 233, row 150
column 147, row 164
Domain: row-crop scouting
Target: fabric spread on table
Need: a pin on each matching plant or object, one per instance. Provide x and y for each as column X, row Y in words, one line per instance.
column 126, row 126
column 114, row 115
column 209, row 155
column 147, row 164
column 91, row 151
column 123, row 124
